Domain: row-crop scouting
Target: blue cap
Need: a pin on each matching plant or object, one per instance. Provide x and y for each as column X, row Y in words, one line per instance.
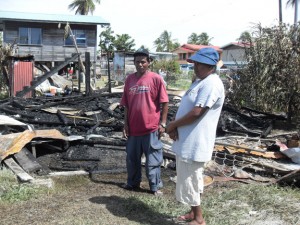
column 206, row 56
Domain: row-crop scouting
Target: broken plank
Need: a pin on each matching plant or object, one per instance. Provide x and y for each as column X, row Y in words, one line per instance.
column 20, row 173
column 27, row 161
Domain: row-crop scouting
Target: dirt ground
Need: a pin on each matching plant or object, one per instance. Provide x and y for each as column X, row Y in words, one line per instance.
column 98, row 199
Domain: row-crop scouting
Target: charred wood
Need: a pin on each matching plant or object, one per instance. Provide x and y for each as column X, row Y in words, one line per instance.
column 14, row 112
column 62, row 117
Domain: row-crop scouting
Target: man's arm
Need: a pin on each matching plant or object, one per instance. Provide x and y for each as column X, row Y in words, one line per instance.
column 126, row 127
column 163, row 120
column 189, row 118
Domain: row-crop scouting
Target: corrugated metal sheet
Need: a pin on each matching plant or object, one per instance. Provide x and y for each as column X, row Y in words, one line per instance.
column 42, row 17
column 13, row 143
column 22, row 75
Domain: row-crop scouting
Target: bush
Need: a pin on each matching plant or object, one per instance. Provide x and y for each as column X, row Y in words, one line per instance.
column 271, row 80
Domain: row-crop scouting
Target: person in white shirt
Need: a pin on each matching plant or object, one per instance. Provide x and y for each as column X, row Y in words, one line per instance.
column 194, row 131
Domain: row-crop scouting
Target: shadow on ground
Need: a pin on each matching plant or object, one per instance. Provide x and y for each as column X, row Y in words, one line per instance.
column 132, row 209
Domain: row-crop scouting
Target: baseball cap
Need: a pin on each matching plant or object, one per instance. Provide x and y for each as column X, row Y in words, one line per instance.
column 206, row 56
column 141, row 51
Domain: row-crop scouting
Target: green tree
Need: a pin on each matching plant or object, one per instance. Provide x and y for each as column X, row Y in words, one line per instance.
column 83, row 7
column 201, row 39
column 245, row 37
column 204, row 39
column 106, row 36
column 124, row 42
column 291, row 2
column 296, row 6
column 193, row 39
column 143, row 47
column 165, row 43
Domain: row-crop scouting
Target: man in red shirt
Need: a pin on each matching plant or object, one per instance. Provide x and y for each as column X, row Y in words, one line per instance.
column 143, row 97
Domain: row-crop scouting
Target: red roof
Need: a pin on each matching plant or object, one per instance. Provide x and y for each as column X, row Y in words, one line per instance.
column 198, row 47
column 239, row 44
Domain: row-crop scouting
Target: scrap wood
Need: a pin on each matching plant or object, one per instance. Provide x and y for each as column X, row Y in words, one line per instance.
column 291, row 177
column 62, row 117
column 27, row 161
column 113, row 106
column 224, row 179
column 240, row 173
column 20, row 173
column 64, row 110
column 81, row 118
column 93, row 112
column 242, row 149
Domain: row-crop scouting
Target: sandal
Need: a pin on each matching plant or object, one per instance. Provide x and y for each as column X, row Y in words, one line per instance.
column 185, row 218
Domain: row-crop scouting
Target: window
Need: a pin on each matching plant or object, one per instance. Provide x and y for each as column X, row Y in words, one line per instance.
column 80, row 37
column 182, row 56
column 30, row 36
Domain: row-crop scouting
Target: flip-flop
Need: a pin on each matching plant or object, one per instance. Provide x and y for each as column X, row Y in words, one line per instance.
column 185, row 218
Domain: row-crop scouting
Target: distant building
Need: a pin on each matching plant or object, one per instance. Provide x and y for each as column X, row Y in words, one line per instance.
column 42, row 35
column 163, row 55
column 233, row 55
column 185, row 51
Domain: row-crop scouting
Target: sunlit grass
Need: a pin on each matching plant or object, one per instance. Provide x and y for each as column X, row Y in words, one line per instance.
column 13, row 191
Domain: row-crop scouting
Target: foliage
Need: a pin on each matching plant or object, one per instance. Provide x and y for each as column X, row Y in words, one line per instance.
column 171, row 66
column 5, row 51
column 124, row 42
column 83, row 7
column 291, row 2
column 143, row 47
column 12, row 191
column 271, row 79
column 121, row 42
column 106, row 36
column 165, row 43
column 245, row 37
column 201, row 39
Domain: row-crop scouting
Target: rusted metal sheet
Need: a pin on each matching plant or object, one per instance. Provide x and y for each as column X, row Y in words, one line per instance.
column 22, row 75
column 13, row 143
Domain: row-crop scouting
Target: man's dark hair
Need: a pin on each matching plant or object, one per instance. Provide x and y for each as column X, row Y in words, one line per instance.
column 148, row 57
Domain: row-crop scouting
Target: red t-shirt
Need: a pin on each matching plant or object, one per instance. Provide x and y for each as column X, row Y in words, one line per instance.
column 142, row 97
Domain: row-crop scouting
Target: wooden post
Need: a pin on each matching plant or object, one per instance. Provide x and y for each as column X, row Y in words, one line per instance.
column 87, row 74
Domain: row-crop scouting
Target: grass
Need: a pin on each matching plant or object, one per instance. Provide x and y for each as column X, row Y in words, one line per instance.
column 247, row 204
column 11, row 191
column 223, row 203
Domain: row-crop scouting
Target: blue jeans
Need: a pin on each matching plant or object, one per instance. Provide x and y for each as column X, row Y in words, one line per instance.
column 151, row 146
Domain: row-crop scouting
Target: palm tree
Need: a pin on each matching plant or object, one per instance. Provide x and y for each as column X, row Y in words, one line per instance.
column 193, row 39
column 83, row 7
column 201, row 39
column 204, row 39
column 106, row 36
column 165, row 43
column 124, row 42
column 280, row 11
column 294, row 3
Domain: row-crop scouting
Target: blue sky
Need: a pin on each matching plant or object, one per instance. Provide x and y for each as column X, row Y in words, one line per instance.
column 144, row 21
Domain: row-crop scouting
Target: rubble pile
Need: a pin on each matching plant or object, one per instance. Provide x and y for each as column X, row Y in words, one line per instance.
column 77, row 132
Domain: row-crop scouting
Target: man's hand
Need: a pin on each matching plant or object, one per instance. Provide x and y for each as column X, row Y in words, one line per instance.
column 125, row 131
column 171, row 127
column 174, row 135
column 161, row 131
